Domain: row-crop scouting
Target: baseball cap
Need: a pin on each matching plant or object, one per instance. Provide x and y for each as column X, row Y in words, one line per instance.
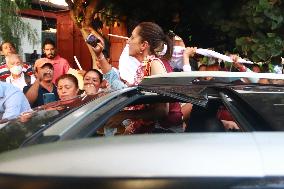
column 41, row 62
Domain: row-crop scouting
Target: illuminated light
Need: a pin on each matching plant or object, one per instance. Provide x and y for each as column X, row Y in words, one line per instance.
column 57, row 2
column 140, row 184
column 79, row 113
column 51, row 30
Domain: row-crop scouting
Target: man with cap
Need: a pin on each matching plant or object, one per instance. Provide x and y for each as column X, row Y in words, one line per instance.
column 43, row 90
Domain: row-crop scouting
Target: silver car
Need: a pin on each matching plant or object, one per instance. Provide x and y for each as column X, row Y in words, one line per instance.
column 205, row 154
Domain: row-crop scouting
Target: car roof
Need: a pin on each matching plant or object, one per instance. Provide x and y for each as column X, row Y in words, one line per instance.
column 220, row 74
column 254, row 154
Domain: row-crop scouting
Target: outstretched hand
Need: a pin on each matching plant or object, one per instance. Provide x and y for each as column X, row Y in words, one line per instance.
column 116, row 120
column 234, row 58
column 236, row 64
column 189, row 51
column 82, row 72
column 98, row 49
column 90, row 89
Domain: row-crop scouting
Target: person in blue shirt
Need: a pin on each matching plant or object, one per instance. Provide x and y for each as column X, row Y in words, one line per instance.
column 42, row 91
column 12, row 101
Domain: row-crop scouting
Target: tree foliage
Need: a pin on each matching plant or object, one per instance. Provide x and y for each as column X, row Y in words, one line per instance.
column 12, row 27
column 252, row 28
column 257, row 27
column 82, row 13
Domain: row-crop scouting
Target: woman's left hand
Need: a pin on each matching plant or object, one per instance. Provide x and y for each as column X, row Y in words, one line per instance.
column 98, row 49
column 90, row 89
column 82, row 72
column 189, row 51
column 116, row 120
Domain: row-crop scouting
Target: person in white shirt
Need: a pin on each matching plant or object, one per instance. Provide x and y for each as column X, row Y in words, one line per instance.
column 18, row 77
column 177, row 60
column 128, row 65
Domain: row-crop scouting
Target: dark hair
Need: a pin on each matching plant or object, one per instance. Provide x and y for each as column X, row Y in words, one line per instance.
column 265, row 68
column 155, row 36
column 70, row 77
column 255, row 65
column 202, row 65
column 97, row 72
column 12, row 44
column 171, row 34
column 48, row 41
column 97, row 24
column 222, row 64
column 276, row 60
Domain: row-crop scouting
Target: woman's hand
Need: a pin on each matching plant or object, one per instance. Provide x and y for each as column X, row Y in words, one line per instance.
column 230, row 125
column 236, row 64
column 90, row 89
column 82, row 72
column 189, row 52
column 234, row 58
column 26, row 116
column 98, row 49
column 116, row 120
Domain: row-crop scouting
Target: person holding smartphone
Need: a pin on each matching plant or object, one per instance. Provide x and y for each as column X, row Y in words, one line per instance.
column 146, row 44
column 43, row 90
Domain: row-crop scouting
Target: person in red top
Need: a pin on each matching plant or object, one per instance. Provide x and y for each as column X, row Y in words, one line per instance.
column 145, row 44
column 60, row 65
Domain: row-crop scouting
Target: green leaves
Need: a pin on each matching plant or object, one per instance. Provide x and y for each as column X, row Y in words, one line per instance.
column 261, row 47
column 12, row 27
column 254, row 28
column 265, row 22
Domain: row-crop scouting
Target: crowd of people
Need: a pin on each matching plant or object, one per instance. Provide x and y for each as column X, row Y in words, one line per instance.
column 149, row 51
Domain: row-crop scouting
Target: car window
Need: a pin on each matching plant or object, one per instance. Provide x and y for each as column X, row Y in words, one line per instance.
column 267, row 101
column 214, row 117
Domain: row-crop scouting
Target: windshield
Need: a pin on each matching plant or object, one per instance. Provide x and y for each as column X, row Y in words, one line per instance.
column 13, row 133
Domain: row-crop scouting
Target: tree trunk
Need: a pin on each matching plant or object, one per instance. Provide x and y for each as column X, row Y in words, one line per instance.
column 82, row 17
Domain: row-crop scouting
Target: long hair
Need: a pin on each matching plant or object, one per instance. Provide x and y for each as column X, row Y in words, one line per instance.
column 155, row 36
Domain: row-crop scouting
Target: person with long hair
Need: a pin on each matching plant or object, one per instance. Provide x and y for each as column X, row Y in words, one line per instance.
column 146, row 44
column 92, row 80
column 67, row 87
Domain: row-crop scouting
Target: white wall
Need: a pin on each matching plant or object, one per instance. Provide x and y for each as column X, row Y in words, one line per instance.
column 26, row 45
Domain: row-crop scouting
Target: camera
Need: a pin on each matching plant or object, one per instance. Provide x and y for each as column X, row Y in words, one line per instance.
column 92, row 40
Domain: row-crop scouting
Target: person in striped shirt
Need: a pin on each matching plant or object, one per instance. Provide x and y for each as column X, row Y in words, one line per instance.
column 8, row 48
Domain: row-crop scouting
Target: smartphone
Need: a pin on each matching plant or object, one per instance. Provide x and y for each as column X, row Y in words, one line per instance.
column 48, row 97
column 92, row 40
